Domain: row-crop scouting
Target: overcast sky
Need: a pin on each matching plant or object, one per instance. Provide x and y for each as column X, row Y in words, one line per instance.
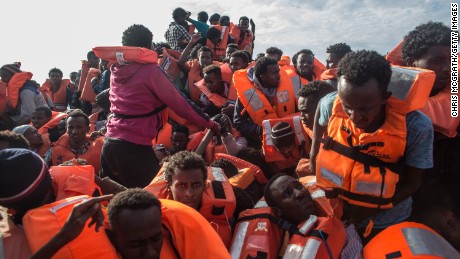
column 58, row 33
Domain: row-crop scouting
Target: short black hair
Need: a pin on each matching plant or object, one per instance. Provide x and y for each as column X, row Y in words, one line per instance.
column 46, row 110
column 181, row 129
column 184, row 160
column 205, row 48
column 14, row 140
column 203, row 16
column 240, row 54
column 360, row 66
column 78, row 113
column 214, row 17
column 224, row 19
column 315, row 87
column 256, row 157
column 302, row 51
column 243, row 18
column 230, row 169
column 243, row 201
column 212, row 33
column 418, row 41
column 133, row 199
column 56, row 70
column 212, row 69
column 268, row 195
column 89, row 54
column 339, row 49
column 262, row 64
column 178, row 12
column 232, row 45
column 137, row 35
column 274, row 50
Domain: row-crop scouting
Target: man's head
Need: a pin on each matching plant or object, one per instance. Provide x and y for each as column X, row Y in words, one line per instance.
column 137, row 35
column 93, row 60
column 179, row 138
column 31, row 134
column 55, row 76
column 9, row 139
column 428, row 46
column 135, row 219
column 274, row 52
column 25, row 182
column 335, row 53
column 179, row 15
column 267, row 71
column 204, row 56
column 363, row 78
column 289, row 199
column 214, row 19
column 238, row 60
column 186, row 178
column 283, row 138
column 203, row 17
column 212, row 76
column 232, row 47
column 243, row 23
column 77, row 128
column 41, row 116
column 224, row 20
column 304, row 63
column 213, row 35
column 7, row 71
column 309, row 96
column 73, row 76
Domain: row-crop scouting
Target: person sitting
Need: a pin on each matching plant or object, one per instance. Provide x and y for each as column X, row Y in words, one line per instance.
column 57, row 90
column 9, row 139
column 215, row 91
column 238, row 60
column 334, row 54
column 37, row 142
column 76, row 143
column 47, row 122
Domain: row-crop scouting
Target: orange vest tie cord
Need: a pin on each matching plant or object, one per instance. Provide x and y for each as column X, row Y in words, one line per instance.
column 369, row 177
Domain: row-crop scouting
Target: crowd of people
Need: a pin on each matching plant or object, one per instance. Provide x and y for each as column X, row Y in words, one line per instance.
column 199, row 148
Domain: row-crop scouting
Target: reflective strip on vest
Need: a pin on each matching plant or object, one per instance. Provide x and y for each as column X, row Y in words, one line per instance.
column 65, row 204
column 166, row 64
column 318, row 194
column 331, row 176
column 238, row 241
column 217, row 173
column 370, row 188
column 268, row 132
column 253, row 99
column 424, row 242
column 222, row 32
column 293, row 251
column 298, row 129
column 296, row 85
column 311, row 249
column 261, row 204
column 401, row 81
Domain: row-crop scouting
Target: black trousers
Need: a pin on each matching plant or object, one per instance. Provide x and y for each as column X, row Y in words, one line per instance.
column 129, row 164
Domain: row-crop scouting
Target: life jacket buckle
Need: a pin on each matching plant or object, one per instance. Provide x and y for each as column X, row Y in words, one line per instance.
column 327, row 144
column 331, row 193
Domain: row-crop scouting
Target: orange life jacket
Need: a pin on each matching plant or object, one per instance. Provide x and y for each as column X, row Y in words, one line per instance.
column 325, row 207
column 330, row 74
column 3, row 99
column 43, row 223
column 69, row 181
column 169, row 62
column 409, row 240
column 58, row 98
column 302, row 143
column 62, row 152
column 395, row 55
column 194, row 75
column 83, row 75
column 164, row 138
column 368, row 178
column 92, row 121
column 438, row 110
column 125, row 54
column 255, row 102
column 45, row 146
column 216, row 99
column 190, row 238
column 217, row 204
column 191, row 127
column 14, row 86
column 56, row 117
column 227, row 75
column 303, row 168
column 87, row 93
column 218, row 50
column 244, row 43
column 298, row 81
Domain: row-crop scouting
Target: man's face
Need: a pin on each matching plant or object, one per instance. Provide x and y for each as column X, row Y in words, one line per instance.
column 179, row 142
column 437, row 59
column 363, row 104
column 229, row 51
column 244, row 25
column 213, row 82
column 73, row 77
column 93, row 61
column 332, row 61
column 204, row 58
column 271, row 78
column 39, row 119
column 77, row 129
column 34, row 138
column 307, row 107
column 292, row 199
column 6, row 76
column 55, row 78
column 305, row 64
column 286, row 151
column 187, row 187
column 236, row 63
column 139, row 233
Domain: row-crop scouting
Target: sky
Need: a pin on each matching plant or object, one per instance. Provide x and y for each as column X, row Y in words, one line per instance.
column 58, row 33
